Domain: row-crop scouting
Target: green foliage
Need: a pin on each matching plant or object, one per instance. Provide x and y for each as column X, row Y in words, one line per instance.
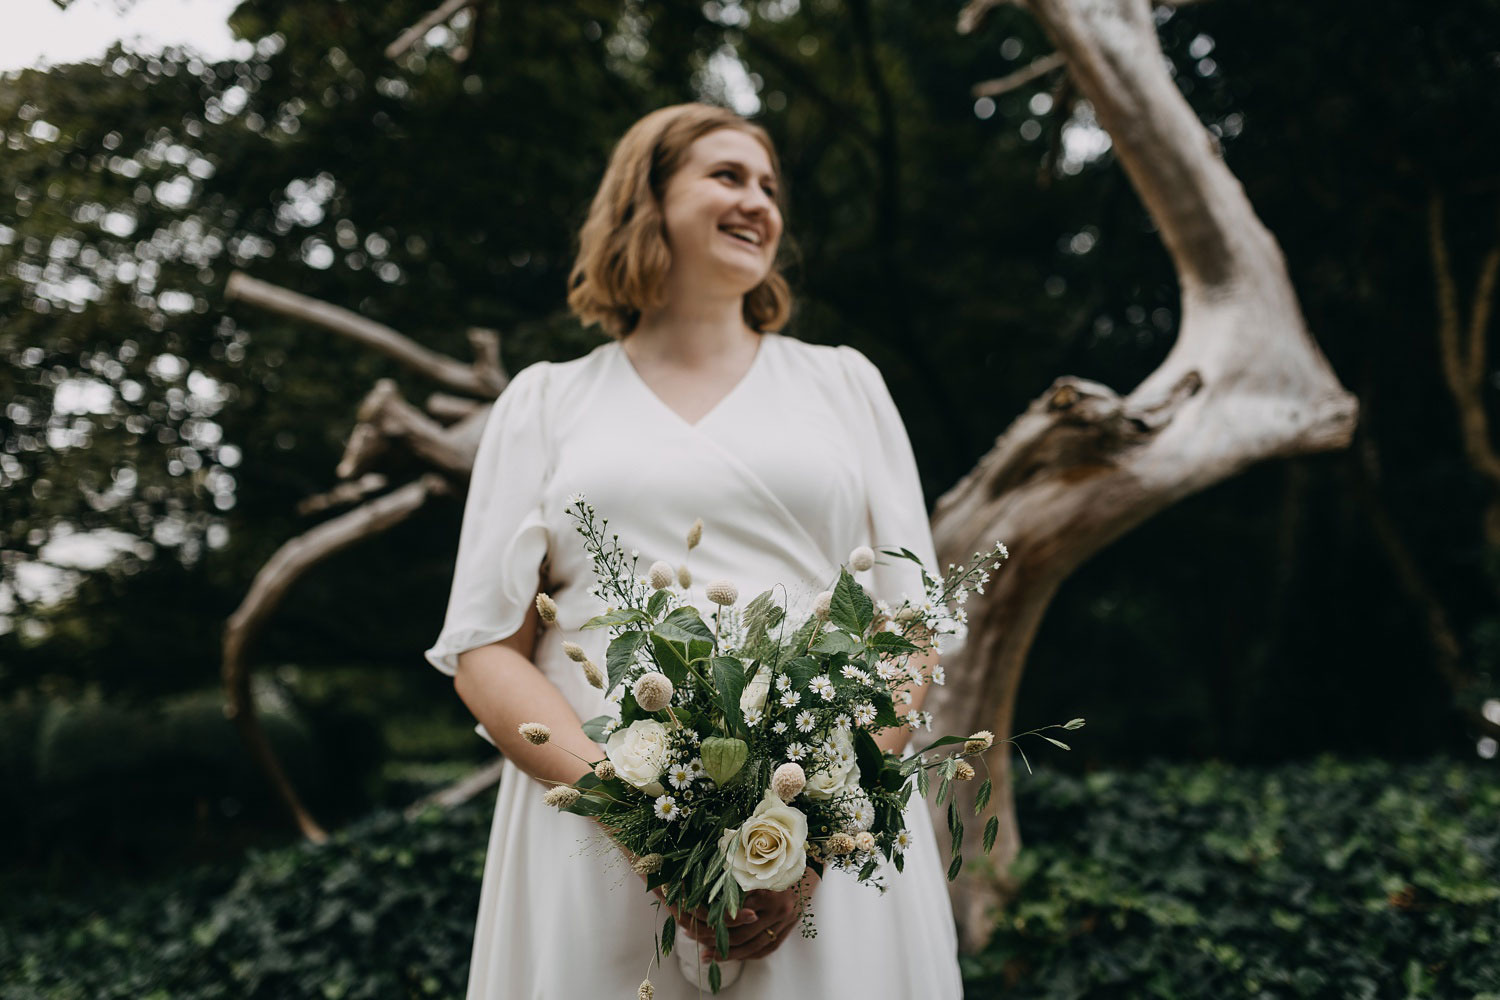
column 1324, row 879
column 1328, row 879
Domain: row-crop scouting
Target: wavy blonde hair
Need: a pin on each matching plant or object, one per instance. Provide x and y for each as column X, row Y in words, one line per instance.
column 623, row 255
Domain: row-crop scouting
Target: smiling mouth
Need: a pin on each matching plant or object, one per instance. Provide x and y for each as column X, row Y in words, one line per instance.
column 741, row 240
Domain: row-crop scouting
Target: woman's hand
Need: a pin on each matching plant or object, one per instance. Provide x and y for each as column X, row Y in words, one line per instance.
column 776, row 916
column 695, row 924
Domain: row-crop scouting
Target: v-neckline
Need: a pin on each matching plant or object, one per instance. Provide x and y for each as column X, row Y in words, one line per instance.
column 760, row 352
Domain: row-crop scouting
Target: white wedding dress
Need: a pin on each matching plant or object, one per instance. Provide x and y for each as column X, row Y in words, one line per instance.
column 804, row 459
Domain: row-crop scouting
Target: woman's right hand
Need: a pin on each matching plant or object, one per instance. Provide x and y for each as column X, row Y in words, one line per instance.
column 694, row 923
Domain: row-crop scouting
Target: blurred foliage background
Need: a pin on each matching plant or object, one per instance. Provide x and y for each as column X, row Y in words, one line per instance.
column 157, row 438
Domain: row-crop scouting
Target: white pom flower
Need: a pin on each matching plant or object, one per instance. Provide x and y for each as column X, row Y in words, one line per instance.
column 840, row 843
column 722, row 592
column 534, row 733
column 822, row 604
column 864, row 841
column 684, row 578
column 788, row 781
column 593, row 674
column 660, row 575
column 604, row 770
column 862, row 558
column 561, row 796
column 979, row 742
column 964, row 771
column 653, row 691
column 547, row 608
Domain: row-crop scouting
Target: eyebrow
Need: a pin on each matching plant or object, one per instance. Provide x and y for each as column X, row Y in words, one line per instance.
column 741, row 166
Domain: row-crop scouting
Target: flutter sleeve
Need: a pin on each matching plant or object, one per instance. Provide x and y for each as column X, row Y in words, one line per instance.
column 897, row 511
column 503, row 539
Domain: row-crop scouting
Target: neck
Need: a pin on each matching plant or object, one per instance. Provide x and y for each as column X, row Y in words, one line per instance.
column 691, row 330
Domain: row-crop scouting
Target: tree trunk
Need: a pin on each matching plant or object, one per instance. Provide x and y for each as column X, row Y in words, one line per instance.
column 1083, row 465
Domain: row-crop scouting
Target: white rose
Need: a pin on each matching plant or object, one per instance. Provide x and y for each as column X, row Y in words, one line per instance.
column 754, row 694
column 839, row 775
column 768, row 850
column 639, row 753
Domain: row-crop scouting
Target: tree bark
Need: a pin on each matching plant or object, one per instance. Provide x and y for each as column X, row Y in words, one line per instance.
column 1243, row 383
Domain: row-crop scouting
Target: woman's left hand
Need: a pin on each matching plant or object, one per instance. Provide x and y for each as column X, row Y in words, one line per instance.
column 777, row 916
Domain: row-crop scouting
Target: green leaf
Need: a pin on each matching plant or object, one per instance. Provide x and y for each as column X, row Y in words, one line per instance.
column 900, row 860
column 801, row 670
column 713, row 968
column 621, row 655
column 890, row 644
column 669, row 658
column 729, row 683
column 943, row 742
column 982, row 797
column 668, row 931
column 835, row 642
column 620, row 616
column 594, row 728
column 868, row 870
column 1059, row 743
column 958, row 862
column 851, row 607
column 658, row 601
column 922, row 782
column 955, row 826
column 991, row 831
column 684, row 625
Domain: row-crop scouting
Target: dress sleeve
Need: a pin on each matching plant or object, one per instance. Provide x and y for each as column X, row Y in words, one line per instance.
column 503, row 539
column 897, row 511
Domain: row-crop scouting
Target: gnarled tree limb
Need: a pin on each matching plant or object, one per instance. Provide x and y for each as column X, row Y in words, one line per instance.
column 482, row 379
column 1243, row 383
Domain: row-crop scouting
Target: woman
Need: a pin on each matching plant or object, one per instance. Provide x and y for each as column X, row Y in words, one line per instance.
column 792, row 454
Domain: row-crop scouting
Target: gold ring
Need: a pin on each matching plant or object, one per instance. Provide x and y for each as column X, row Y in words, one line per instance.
column 772, row 933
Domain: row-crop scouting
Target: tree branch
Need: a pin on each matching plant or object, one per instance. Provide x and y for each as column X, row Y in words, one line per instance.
column 1021, row 77
column 482, row 379
column 430, row 20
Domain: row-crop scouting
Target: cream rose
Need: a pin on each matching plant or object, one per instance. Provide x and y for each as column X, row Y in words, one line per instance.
column 768, row 850
column 756, row 689
column 639, row 753
column 840, row 775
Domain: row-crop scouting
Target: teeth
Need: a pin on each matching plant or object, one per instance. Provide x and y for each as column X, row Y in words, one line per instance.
column 749, row 235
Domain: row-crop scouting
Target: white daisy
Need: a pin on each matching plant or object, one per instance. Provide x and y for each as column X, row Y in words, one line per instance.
column 888, row 671
column 680, row 775
column 666, row 808
column 753, row 717
column 842, row 721
column 611, row 726
column 906, row 697
column 695, row 767
column 779, row 727
column 783, row 682
column 901, row 841
column 821, row 685
column 796, row 751
column 789, row 699
column 861, row 814
column 864, row 713
column 938, row 677
column 805, row 721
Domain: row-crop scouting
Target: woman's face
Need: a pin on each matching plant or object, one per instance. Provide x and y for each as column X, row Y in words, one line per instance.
column 725, row 184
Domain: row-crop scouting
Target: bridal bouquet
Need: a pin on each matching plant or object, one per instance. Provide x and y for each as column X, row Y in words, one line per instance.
column 745, row 748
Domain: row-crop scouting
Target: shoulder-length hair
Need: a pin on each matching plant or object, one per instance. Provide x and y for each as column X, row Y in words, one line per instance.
column 623, row 255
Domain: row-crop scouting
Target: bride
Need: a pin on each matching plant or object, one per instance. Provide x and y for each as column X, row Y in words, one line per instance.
column 790, row 453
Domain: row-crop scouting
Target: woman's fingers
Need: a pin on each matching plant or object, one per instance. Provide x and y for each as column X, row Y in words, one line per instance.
column 765, row 944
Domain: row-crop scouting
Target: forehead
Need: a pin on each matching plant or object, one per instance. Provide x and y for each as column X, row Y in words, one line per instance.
column 729, row 144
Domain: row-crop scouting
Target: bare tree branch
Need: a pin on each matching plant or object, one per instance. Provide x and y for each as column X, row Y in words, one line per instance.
column 430, row 20
column 481, row 380
column 1021, row 77
column 1243, row 383
column 290, row 563
column 460, row 791
column 384, row 417
column 344, row 493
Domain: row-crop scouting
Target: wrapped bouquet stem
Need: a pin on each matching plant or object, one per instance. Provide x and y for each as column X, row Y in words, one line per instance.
column 745, row 751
